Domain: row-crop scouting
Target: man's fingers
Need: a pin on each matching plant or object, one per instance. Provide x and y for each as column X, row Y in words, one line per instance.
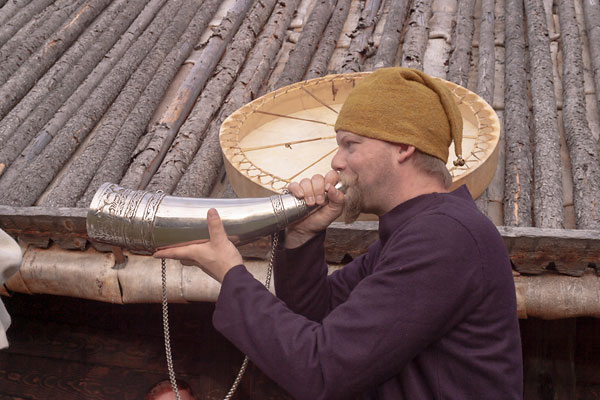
column 309, row 194
column 296, row 190
column 318, row 184
column 216, row 230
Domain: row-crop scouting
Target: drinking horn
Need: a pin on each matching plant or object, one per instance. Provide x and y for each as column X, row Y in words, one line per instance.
column 145, row 222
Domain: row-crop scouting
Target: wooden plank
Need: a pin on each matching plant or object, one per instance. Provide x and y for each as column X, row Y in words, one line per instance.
column 41, row 378
column 587, row 352
column 87, row 345
column 44, row 221
column 548, row 362
column 531, row 249
column 93, row 344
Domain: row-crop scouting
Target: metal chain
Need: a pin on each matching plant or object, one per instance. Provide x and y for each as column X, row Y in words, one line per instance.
column 165, row 313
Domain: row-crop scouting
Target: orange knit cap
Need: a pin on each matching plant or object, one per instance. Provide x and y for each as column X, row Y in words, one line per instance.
column 403, row 105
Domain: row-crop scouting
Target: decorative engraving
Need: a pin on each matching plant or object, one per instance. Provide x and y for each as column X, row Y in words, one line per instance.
column 279, row 211
column 301, row 206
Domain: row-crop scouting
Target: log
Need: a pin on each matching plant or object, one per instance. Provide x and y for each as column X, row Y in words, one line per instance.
column 362, row 47
column 517, row 186
column 147, row 162
column 247, row 86
column 441, row 26
column 60, row 272
column 583, row 151
column 50, row 92
column 415, row 39
column 113, row 157
column 591, row 11
column 547, row 176
column 552, row 296
column 486, row 70
column 301, row 54
column 462, row 42
column 34, row 68
column 191, row 134
column 9, row 10
column 533, row 251
column 486, row 63
column 207, row 164
column 19, row 49
column 39, row 225
column 40, row 162
column 495, row 190
column 21, row 18
column 329, row 40
column 392, row 34
column 72, row 184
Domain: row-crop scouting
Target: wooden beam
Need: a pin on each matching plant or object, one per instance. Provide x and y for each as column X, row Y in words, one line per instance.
column 532, row 250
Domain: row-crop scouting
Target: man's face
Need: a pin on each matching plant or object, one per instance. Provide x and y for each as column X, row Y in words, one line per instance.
column 364, row 165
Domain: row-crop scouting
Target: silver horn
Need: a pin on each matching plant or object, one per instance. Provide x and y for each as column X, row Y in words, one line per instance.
column 148, row 221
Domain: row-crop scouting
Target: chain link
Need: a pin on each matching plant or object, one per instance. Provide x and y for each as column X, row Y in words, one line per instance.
column 165, row 313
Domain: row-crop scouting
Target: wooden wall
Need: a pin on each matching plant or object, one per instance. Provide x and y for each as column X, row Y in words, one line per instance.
column 79, row 349
column 67, row 348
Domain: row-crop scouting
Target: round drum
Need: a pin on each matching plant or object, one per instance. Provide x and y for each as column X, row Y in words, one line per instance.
column 288, row 134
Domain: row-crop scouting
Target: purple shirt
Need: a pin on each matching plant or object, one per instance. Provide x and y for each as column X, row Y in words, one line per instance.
column 429, row 312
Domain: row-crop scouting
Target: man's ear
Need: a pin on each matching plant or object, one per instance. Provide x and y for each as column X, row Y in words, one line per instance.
column 405, row 151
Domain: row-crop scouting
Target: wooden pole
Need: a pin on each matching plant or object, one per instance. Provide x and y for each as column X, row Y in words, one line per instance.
column 209, row 160
column 392, row 33
column 9, row 10
column 415, row 39
column 301, row 54
column 192, row 133
column 60, row 272
column 62, row 79
column 328, row 43
column 591, row 11
column 147, row 162
column 517, row 201
column 486, row 72
column 38, row 50
column 460, row 58
column 585, row 165
column 547, row 177
column 72, row 184
column 22, row 184
column 118, row 154
column 361, row 46
column 22, row 17
column 486, row 63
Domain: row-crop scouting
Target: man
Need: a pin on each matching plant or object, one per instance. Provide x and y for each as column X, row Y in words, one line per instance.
column 428, row 313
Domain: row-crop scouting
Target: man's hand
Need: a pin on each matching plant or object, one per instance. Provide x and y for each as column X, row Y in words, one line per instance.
column 313, row 192
column 216, row 257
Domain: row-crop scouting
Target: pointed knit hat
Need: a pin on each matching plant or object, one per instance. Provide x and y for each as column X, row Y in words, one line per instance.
column 404, row 105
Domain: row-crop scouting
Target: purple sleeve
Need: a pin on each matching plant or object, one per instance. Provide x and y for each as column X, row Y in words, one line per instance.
column 415, row 293
column 301, row 279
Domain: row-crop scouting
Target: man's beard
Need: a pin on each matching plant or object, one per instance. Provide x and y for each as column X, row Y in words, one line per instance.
column 352, row 198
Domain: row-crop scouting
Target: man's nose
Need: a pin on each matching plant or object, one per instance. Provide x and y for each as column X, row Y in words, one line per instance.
column 337, row 162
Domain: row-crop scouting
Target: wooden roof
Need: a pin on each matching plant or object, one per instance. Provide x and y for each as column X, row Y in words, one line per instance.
column 134, row 92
